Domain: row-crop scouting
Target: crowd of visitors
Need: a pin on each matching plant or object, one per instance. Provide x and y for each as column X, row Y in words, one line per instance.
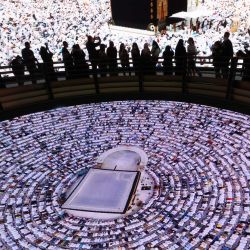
column 178, row 60
column 228, row 16
column 52, row 22
column 198, row 157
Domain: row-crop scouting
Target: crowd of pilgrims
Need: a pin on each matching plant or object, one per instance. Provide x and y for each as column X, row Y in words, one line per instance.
column 174, row 61
column 54, row 21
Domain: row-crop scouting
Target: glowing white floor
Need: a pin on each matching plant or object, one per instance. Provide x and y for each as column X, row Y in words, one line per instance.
column 102, row 191
column 122, row 160
column 140, row 196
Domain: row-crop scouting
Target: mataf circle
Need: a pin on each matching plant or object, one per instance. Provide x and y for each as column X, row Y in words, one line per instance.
column 116, row 187
column 198, row 157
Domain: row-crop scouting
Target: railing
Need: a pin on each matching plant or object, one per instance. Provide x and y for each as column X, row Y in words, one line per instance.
column 53, row 83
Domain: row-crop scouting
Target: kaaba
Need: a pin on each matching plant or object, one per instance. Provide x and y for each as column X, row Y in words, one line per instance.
column 140, row 13
column 131, row 13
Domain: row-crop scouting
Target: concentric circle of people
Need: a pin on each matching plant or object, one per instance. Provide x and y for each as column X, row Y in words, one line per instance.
column 199, row 155
column 53, row 21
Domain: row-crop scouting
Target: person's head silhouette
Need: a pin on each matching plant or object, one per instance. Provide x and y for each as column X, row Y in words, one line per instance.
column 27, row 45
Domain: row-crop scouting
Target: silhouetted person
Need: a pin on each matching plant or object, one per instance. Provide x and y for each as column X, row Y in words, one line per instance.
column 180, row 58
column 112, row 58
column 191, row 56
column 183, row 25
column 191, row 25
column 103, row 60
column 155, row 52
column 124, row 58
column 168, row 55
column 67, row 60
column 29, row 61
column 146, row 60
column 216, row 55
column 198, row 23
column 227, row 54
column 93, row 53
column 48, row 66
column 80, row 65
column 2, row 85
column 17, row 66
column 246, row 64
column 135, row 53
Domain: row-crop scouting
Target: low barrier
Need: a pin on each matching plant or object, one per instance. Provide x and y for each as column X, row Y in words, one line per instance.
column 123, row 82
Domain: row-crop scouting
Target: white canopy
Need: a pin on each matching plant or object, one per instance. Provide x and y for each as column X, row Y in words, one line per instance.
column 182, row 14
column 193, row 14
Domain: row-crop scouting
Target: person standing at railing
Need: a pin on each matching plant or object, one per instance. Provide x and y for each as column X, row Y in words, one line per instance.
column 135, row 53
column 168, row 55
column 216, row 55
column 102, row 60
column 48, row 66
column 80, row 65
column 17, row 66
column 91, row 46
column 146, row 60
column 155, row 52
column 112, row 58
column 227, row 54
column 180, row 58
column 30, row 61
column 67, row 60
column 124, row 58
column 246, row 63
column 2, row 85
column 191, row 56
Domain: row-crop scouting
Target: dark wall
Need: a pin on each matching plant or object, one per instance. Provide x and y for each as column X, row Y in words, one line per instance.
column 131, row 13
column 175, row 6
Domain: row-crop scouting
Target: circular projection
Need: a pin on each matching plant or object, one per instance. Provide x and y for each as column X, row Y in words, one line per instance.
column 198, row 158
column 118, row 186
column 125, row 157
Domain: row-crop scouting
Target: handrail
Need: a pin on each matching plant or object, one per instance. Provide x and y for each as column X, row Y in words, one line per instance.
column 202, row 62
